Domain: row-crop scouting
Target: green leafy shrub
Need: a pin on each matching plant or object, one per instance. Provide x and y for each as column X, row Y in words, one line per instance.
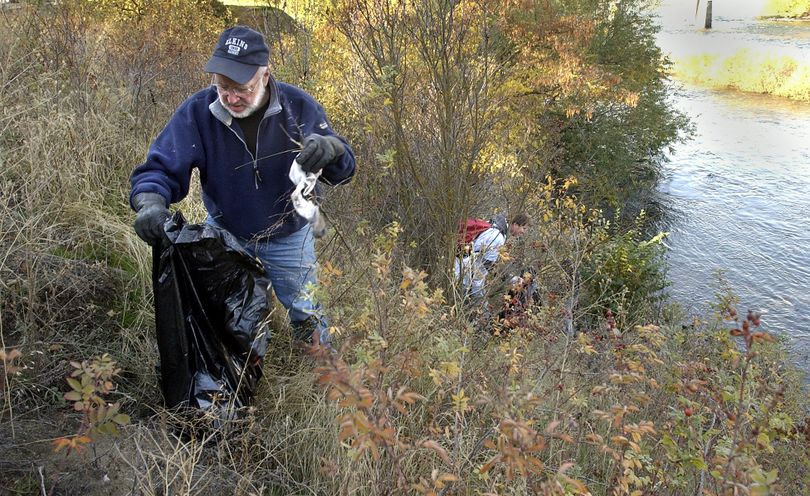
column 90, row 383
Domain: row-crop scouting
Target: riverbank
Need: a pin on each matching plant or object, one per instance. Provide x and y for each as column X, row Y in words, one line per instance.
column 783, row 18
column 750, row 48
column 749, row 71
column 791, row 9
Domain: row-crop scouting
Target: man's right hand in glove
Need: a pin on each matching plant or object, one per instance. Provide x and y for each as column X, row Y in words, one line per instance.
column 152, row 213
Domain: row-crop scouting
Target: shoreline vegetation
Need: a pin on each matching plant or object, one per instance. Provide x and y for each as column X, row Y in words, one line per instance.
column 753, row 71
column 786, row 9
column 786, row 18
column 591, row 383
column 747, row 71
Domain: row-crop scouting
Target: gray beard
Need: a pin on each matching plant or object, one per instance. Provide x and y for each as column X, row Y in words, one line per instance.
column 250, row 109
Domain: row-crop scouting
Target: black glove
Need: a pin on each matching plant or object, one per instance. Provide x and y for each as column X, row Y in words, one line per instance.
column 152, row 213
column 319, row 151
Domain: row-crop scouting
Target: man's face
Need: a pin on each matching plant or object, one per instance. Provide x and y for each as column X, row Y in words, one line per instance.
column 241, row 100
column 517, row 229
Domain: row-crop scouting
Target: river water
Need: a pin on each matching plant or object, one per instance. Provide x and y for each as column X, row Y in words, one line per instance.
column 738, row 193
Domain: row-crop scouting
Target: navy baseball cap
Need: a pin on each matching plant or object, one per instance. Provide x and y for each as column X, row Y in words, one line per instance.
column 239, row 53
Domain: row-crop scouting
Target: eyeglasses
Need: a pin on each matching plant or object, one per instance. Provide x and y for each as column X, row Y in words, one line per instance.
column 240, row 91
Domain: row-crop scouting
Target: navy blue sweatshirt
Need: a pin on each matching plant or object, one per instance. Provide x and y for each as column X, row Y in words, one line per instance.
column 249, row 196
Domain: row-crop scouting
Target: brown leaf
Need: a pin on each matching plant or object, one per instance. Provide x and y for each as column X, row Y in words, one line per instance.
column 488, row 465
column 433, row 445
column 565, row 437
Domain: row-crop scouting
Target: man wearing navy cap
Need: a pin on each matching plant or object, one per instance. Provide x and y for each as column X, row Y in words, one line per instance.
column 243, row 134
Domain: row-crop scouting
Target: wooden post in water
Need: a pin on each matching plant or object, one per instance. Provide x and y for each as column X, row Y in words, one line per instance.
column 708, row 24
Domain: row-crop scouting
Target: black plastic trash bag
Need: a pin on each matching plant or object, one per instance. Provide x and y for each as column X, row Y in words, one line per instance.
column 210, row 315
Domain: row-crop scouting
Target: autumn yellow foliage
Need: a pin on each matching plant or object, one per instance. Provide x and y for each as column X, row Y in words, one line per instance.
column 749, row 70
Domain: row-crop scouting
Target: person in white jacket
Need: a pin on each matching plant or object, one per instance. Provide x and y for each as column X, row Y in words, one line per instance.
column 473, row 268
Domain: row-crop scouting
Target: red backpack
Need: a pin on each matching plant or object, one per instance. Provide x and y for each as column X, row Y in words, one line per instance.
column 469, row 229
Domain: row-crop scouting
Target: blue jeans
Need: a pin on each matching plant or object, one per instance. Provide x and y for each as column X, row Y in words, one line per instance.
column 292, row 271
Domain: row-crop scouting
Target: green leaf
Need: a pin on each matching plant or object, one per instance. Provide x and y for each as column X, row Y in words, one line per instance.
column 121, row 419
column 73, row 396
column 764, row 441
column 74, row 384
column 759, row 491
column 782, row 422
column 759, row 477
column 107, row 428
column 728, row 394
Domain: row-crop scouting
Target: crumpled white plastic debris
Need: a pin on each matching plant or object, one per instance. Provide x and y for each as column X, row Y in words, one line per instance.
column 304, row 206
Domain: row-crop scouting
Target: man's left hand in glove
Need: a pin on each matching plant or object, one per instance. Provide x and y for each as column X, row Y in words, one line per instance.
column 319, row 151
